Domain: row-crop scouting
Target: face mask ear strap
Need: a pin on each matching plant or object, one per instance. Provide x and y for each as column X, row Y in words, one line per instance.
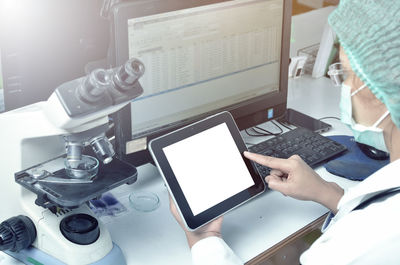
column 381, row 119
column 358, row 90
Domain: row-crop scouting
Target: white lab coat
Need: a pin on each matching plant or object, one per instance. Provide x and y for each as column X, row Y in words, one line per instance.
column 367, row 236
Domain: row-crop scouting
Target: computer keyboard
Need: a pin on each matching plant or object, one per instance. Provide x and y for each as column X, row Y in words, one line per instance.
column 312, row 147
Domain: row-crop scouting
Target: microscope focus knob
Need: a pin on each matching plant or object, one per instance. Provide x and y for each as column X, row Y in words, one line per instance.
column 17, row 233
column 82, row 229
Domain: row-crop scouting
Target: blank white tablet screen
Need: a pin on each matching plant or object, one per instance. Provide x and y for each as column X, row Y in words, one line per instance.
column 209, row 167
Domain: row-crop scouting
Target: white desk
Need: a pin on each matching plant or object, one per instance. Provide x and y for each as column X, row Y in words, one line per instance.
column 156, row 238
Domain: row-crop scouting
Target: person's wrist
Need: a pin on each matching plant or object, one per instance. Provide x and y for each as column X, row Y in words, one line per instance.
column 193, row 237
column 330, row 195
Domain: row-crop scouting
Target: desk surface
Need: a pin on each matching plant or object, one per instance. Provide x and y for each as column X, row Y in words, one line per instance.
column 156, row 238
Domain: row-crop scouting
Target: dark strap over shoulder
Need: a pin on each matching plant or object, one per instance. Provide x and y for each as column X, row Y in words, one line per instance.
column 379, row 196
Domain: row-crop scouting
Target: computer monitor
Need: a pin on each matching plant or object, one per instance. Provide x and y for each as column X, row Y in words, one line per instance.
column 201, row 57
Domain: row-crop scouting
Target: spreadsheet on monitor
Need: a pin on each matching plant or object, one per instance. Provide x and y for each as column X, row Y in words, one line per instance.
column 204, row 58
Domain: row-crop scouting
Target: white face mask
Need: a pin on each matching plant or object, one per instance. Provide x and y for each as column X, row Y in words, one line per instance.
column 372, row 136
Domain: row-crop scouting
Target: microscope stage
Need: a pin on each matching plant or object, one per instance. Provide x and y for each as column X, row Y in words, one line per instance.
column 70, row 194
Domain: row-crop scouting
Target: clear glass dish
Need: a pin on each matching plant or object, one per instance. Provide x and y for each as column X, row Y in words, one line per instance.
column 86, row 168
column 144, row 201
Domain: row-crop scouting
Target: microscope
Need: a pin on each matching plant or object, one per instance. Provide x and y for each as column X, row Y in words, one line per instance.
column 59, row 153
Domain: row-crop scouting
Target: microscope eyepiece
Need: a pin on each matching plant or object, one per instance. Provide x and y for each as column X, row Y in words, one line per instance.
column 128, row 74
column 94, row 86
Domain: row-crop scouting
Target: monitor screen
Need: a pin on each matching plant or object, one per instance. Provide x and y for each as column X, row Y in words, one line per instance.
column 202, row 57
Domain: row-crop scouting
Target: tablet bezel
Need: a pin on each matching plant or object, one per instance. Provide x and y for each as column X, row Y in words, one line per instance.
column 195, row 221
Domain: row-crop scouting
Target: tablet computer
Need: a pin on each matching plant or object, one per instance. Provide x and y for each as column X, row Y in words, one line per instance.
column 204, row 169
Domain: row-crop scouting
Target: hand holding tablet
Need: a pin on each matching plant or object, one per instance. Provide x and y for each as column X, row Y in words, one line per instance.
column 213, row 228
column 205, row 170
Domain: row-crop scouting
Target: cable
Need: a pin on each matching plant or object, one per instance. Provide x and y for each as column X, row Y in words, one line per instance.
column 284, row 125
column 266, row 132
column 256, row 135
column 273, row 122
column 263, row 132
column 329, row 117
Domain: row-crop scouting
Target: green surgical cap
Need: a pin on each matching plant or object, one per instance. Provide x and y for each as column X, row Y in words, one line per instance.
column 369, row 32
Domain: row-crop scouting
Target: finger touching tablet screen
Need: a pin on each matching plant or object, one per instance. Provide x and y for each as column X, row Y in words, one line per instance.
column 205, row 170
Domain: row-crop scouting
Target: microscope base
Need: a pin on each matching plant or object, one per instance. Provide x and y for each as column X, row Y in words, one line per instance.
column 33, row 255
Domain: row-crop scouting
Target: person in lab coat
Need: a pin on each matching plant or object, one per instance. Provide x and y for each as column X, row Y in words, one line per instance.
column 364, row 224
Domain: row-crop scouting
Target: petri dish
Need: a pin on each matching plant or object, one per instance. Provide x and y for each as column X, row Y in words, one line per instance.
column 144, row 201
column 86, row 168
